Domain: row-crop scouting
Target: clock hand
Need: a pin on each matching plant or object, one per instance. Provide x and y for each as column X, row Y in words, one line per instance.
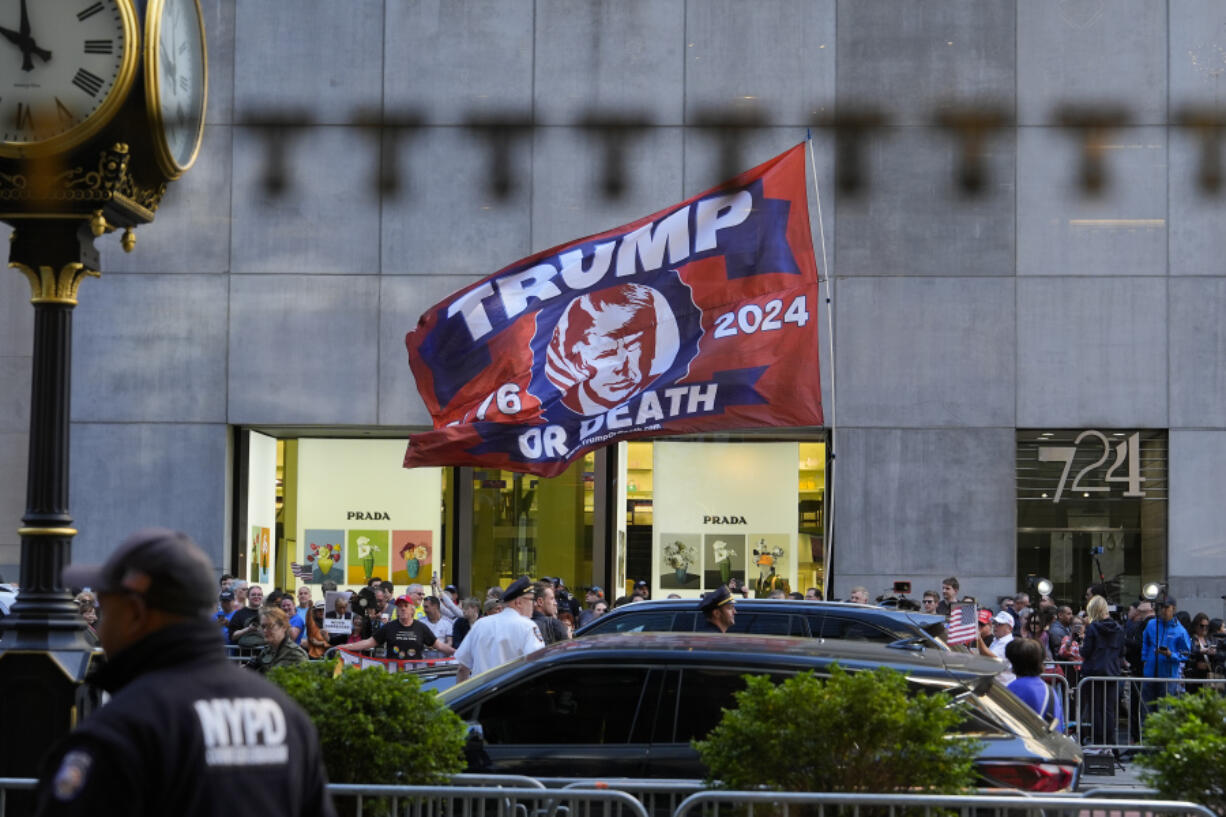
column 168, row 64
column 25, row 21
column 26, row 43
column 10, row 35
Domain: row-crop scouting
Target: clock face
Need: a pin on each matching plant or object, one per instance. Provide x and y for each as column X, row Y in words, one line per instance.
column 65, row 67
column 176, row 80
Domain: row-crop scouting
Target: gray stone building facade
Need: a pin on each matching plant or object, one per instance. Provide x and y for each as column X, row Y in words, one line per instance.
column 960, row 322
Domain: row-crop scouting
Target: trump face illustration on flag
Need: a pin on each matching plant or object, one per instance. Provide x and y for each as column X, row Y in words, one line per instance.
column 609, row 345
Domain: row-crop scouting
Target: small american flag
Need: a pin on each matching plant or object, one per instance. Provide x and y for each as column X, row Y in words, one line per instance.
column 962, row 625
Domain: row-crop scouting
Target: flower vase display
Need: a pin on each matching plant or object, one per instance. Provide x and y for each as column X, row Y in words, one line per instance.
column 325, row 564
column 368, row 566
column 725, row 571
column 681, row 574
column 413, row 566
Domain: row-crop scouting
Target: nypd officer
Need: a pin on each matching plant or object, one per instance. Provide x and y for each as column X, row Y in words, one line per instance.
column 718, row 609
column 186, row 732
column 504, row 636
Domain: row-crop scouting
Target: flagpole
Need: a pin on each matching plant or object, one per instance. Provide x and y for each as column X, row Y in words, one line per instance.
column 828, row 533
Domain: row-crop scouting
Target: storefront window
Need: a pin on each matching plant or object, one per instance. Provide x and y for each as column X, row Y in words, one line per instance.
column 342, row 510
column 698, row 514
column 1092, row 510
column 528, row 525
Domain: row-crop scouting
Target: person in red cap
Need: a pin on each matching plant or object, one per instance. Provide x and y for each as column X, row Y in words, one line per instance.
column 186, row 732
column 406, row 637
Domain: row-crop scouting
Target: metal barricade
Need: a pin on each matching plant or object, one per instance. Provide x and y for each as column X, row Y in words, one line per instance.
column 491, row 801
column 1112, row 710
column 782, row 804
column 1060, row 686
column 8, row 784
column 659, row 797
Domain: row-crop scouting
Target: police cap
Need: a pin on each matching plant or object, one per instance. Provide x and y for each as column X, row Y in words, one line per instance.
column 716, row 598
column 165, row 567
column 519, row 587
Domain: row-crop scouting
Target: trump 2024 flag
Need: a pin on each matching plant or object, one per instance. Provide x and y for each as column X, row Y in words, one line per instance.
column 699, row 317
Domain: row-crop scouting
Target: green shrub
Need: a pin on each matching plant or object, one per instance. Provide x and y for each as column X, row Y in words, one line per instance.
column 855, row 732
column 1188, row 736
column 375, row 726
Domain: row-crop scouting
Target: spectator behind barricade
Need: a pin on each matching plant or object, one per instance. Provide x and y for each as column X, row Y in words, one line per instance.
column 642, row 588
column 280, row 649
column 949, row 595
column 1002, row 634
column 317, row 641
column 777, row 593
column 240, row 592
column 1027, row 656
column 297, row 625
column 1200, row 662
column 490, row 607
column 1034, row 626
column 228, row 605
column 591, row 598
column 1165, row 646
column 304, row 602
column 1059, row 628
column 449, row 606
column 928, row 601
column 245, row 623
column 858, row 595
column 471, row 608
column 1020, row 608
column 736, row 587
column 356, row 626
column 441, row 627
column 813, row 594
column 599, row 609
column 545, row 613
column 1139, row 615
column 1102, row 654
column 87, row 607
column 406, row 638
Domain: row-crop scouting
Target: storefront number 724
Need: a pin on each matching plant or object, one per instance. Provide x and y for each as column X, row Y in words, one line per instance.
column 1127, row 452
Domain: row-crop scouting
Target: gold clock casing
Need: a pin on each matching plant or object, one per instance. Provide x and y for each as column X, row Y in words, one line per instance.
column 89, row 127
column 153, row 90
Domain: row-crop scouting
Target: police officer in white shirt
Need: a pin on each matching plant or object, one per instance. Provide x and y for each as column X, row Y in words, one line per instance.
column 497, row 639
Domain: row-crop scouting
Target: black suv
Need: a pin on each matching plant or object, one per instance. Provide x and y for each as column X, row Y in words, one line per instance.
column 628, row 705
column 805, row 619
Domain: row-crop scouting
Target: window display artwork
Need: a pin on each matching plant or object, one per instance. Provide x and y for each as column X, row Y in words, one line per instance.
column 771, row 556
column 412, row 556
column 680, row 561
column 724, row 555
column 367, row 556
column 323, row 557
column 260, row 557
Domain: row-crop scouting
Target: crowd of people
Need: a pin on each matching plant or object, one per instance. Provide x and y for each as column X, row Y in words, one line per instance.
column 1151, row 639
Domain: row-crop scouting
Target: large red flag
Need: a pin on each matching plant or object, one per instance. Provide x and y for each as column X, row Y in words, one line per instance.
column 699, row 317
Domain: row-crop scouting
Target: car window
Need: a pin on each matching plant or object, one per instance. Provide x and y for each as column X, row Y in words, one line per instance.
column 572, row 704
column 648, row 621
column 832, row 626
column 763, row 623
column 702, row 695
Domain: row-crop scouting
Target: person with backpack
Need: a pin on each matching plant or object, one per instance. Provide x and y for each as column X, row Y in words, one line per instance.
column 1027, row 657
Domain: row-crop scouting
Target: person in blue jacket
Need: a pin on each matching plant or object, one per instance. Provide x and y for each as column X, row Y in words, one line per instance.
column 1165, row 645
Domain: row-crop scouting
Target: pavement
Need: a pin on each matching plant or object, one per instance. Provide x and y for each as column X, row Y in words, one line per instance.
column 1124, row 778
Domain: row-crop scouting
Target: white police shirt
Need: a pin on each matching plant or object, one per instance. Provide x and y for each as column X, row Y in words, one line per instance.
column 495, row 640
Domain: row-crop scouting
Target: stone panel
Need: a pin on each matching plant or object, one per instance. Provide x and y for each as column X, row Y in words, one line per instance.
column 910, row 217
column 151, row 348
column 303, row 349
column 921, row 352
column 444, row 218
column 402, row 301
column 14, row 453
column 15, row 373
column 913, row 63
column 127, row 476
column 617, row 57
column 1198, row 242
column 568, row 170
column 452, row 61
column 326, row 220
column 191, row 232
column 326, row 62
column 1091, row 353
column 774, row 59
column 1198, row 352
column 925, row 502
column 17, row 313
column 1091, row 52
column 219, row 36
column 1061, row 230
column 1197, row 53
column 1197, row 538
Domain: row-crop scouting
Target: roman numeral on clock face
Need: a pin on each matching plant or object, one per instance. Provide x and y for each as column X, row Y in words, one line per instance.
column 25, row 119
column 86, row 13
column 99, row 46
column 88, row 82
column 66, row 117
